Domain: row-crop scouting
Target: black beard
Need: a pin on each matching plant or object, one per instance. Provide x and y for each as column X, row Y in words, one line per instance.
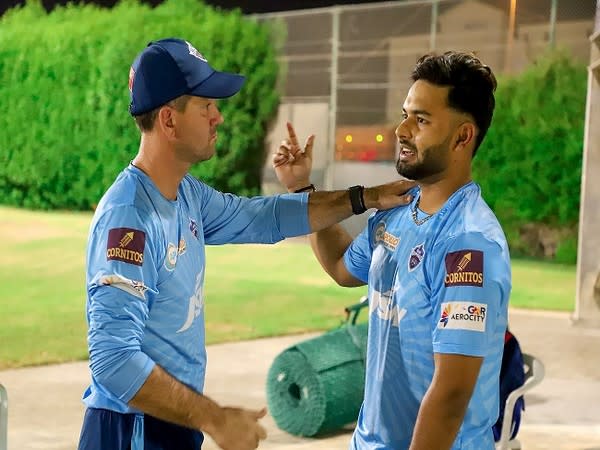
column 433, row 163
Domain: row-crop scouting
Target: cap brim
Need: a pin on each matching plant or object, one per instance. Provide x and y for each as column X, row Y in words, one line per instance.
column 219, row 85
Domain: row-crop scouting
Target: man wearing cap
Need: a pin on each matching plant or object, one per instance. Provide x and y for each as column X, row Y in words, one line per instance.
column 146, row 261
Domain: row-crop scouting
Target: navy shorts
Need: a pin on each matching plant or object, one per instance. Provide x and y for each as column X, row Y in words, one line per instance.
column 109, row 430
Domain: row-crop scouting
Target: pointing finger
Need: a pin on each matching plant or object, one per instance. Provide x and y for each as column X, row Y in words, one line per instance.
column 292, row 135
column 308, row 146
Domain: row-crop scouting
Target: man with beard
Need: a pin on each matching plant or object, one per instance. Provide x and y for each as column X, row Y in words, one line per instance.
column 146, row 262
column 438, row 272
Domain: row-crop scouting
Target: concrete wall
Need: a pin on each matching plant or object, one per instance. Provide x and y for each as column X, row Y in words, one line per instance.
column 476, row 27
column 532, row 40
column 307, row 118
column 469, row 26
column 350, row 173
column 587, row 310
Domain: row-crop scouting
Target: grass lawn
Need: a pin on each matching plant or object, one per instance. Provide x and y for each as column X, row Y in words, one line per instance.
column 251, row 290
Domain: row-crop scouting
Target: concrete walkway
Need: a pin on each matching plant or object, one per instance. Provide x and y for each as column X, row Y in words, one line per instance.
column 563, row 413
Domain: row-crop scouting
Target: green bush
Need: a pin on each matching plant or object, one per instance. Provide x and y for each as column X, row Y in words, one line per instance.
column 566, row 253
column 530, row 165
column 66, row 131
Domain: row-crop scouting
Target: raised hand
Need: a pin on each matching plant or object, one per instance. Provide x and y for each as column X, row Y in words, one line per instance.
column 292, row 163
column 239, row 429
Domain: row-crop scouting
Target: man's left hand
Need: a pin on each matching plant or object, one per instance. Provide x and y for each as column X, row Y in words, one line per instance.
column 389, row 195
column 293, row 164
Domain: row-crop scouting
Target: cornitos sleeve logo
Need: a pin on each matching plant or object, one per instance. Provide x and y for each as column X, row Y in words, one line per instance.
column 464, row 268
column 463, row 316
column 127, row 245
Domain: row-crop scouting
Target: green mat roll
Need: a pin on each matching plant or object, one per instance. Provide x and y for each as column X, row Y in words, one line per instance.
column 317, row 386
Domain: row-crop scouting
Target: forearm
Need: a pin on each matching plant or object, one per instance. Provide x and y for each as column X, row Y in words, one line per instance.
column 329, row 246
column 439, row 419
column 327, row 208
column 165, row 398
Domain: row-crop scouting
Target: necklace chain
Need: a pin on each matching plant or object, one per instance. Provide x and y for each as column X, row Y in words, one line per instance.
column 415, row 217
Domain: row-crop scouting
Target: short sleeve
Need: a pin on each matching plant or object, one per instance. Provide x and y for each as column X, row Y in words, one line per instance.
column 358, row 255
column 469, row 293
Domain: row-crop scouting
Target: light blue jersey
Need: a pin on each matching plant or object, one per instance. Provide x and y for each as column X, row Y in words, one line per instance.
column 438, row 287
column 145, row 276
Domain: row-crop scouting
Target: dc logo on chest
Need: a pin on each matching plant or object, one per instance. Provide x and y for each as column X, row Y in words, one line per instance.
column 416, row 257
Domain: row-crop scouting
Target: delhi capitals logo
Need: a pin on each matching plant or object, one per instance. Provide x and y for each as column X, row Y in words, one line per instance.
column 416, row 256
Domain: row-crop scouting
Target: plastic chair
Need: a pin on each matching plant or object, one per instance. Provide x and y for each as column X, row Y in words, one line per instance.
column 534, row 374
column 3, row 418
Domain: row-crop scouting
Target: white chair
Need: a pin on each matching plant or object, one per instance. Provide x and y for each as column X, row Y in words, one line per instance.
column 534, row 374
column 3, row 418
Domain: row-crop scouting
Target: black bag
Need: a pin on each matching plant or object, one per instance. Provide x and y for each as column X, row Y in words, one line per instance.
column 512, row 376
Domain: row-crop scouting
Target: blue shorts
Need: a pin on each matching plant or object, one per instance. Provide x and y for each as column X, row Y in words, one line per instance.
column 109, row 430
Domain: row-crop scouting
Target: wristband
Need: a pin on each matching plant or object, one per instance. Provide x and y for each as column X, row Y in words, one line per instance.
column 311, row 187
column 357, row 199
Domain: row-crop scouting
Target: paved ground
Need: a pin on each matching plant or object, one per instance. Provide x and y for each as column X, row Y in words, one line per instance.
column 563, row 413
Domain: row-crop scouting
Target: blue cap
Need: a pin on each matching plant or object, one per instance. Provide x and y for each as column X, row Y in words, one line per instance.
column 169, row 68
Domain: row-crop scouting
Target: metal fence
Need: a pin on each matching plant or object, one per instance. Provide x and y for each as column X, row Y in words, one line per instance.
column 357, row 58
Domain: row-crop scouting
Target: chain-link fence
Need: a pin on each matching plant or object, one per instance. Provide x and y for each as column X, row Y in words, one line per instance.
column 357, row 58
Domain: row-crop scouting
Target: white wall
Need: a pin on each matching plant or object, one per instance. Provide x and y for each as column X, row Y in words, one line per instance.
column 307, row 118
column 587, row 308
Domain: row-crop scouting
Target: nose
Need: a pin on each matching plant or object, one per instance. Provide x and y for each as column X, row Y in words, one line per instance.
column 403, row 131
column 217, row 118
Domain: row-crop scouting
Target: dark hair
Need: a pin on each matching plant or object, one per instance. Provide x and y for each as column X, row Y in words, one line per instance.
column 145, row 122
column 472, row 85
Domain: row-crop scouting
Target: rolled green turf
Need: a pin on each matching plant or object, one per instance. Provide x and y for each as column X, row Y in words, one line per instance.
column 316, row 386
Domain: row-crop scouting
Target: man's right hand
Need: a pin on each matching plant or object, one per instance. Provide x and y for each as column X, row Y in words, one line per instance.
column 238, row 429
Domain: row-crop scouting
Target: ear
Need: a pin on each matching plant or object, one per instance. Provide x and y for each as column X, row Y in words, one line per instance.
column 166, row 121
column 465, row 136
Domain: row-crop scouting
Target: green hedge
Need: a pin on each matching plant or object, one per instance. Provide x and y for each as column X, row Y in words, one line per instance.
column 66, row 131
column 529, row 166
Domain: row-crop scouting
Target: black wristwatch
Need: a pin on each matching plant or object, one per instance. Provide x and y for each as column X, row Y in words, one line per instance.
column 357, row 199
column 310, row 188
